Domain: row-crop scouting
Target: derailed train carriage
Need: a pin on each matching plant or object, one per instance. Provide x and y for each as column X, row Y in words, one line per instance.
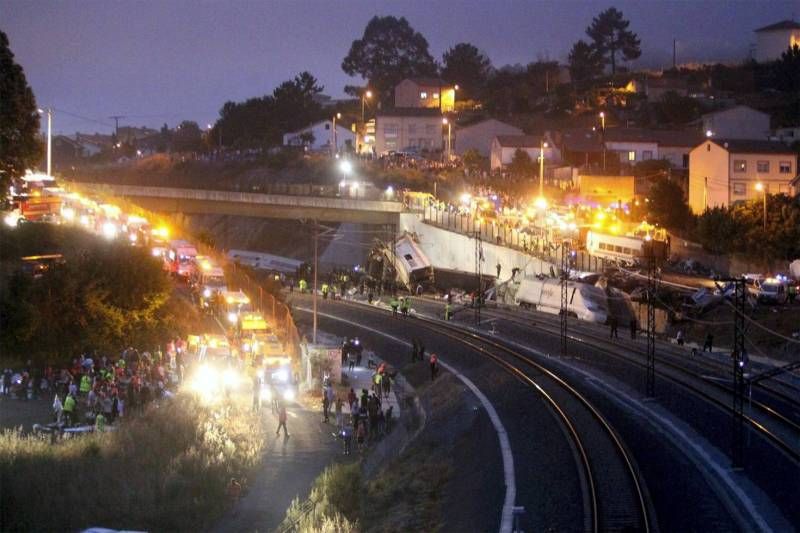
column 584, row 301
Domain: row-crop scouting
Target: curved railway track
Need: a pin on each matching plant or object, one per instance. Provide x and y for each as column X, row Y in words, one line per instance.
column 616, row 499
column 776, row 427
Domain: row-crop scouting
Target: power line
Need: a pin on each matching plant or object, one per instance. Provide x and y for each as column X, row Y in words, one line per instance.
column 81, row 117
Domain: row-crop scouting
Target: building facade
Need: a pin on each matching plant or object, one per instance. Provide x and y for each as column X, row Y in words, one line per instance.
column 738, row 122
column 505, row 146
column 431, row 93
column 775, row 39
column 320, row 136
column 408, row 129
column 722, row 172
column 479, row 136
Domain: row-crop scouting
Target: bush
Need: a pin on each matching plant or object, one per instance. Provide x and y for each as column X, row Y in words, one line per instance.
column 164, row 471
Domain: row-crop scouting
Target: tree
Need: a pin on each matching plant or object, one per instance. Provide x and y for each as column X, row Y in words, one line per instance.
column 473, row 160
column 676, row 109
column 717, row 230
column 787, row 70
column 585, row 63
column 20, row 146
column 521, row 164
column 187, row 138
column 610, row 35
column 389, row 51
column 668, row 207
column 468, row 67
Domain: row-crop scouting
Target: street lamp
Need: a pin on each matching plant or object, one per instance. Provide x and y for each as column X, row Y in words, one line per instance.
column 762, row 189
column 334, row 147
column 603, row 136
column 449, row 133
column 542, row 146
column 49, row 139
column 367, row 94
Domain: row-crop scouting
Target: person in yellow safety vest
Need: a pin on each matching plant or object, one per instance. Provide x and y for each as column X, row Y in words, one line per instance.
column 324, row 291
column 376, row 381
column 448, row 311
column 69, row 409
column 394, row 305
column 100, row 423
column 406, row 306
column 303, row 286
column 86, row 384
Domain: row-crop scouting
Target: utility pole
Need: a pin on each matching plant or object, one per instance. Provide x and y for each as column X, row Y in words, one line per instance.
column 674, row 54
column 116, row 124
column 564, row 312
column 478, row 276
column 652, row 287
column 316, row 268
column 49, row 112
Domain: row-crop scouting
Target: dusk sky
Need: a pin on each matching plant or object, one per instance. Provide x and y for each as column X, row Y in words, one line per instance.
column 165, row 61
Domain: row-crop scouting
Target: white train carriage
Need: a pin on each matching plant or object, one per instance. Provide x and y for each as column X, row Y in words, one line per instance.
column 617, row 248
column 586, row 302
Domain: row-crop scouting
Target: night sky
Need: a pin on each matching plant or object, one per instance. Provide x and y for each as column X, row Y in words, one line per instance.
column 163, row 61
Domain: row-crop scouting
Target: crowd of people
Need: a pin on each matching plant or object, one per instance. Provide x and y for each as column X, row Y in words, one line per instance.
column 97, row 390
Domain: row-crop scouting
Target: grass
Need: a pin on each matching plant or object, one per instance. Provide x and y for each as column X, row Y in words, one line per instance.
column 166, row 470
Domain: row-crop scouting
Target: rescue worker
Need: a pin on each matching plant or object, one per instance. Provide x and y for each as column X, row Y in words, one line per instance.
column 434, row 366
column 792, row 292
column 406, row 306
column 448, row 311
column 86, row 384
column 282, row 421
column 709, row 343
column 612, row 324
column 100, row 423
column 69, row 409
column 394, row 305
column 324, row 291
column 303, row 284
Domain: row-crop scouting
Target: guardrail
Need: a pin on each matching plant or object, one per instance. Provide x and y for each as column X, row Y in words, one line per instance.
column 355, row 202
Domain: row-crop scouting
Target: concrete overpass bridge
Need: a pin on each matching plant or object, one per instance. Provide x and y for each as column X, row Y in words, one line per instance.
column 250, row 204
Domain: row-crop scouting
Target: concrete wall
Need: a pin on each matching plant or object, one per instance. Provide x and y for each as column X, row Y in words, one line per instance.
column 454, row 251
column 408, row 93
column 708, row 177
column 396, row 133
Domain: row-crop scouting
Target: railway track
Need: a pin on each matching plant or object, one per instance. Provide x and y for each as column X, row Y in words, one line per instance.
column 615, row 496
column 779, row 429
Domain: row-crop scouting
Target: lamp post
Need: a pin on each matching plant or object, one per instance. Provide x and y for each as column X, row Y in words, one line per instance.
column 603, row 136
column 762, row 189
column 449, row 133
column 334, row 147
column 49, row 139
column 345, row 167
column 542, row 146
column 367, row 94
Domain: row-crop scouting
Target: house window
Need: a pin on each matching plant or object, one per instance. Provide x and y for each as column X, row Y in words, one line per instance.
column 423, row 95
column 391, row 145
column 435, row 96
column 739, row 188
column 412, row 129
column 762, row 166
column 327, row 126
column 632, row 155
column 739, row 165
column 390, row 130
column 647, row 155
column 785, row 167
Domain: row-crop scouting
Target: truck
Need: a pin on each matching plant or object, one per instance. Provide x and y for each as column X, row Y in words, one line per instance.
column 259, row 339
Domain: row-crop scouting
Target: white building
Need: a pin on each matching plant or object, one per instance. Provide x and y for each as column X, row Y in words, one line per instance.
column 633, row 145
column 479, row 136
column 319, row 136
column 775, row 39
column 505, row 146
column 738, row 122
column 408, row 129
column 722, row 172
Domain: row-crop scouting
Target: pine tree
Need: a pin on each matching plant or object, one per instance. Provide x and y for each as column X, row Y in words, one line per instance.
column 610, row 35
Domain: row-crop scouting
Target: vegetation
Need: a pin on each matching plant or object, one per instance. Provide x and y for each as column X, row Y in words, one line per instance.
column 469, row 68
column 610, row 36
column 20, row 147
column 389, row 51
column 261, row 122
column 522, row 165
column 166, row 470
column 103, row 296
